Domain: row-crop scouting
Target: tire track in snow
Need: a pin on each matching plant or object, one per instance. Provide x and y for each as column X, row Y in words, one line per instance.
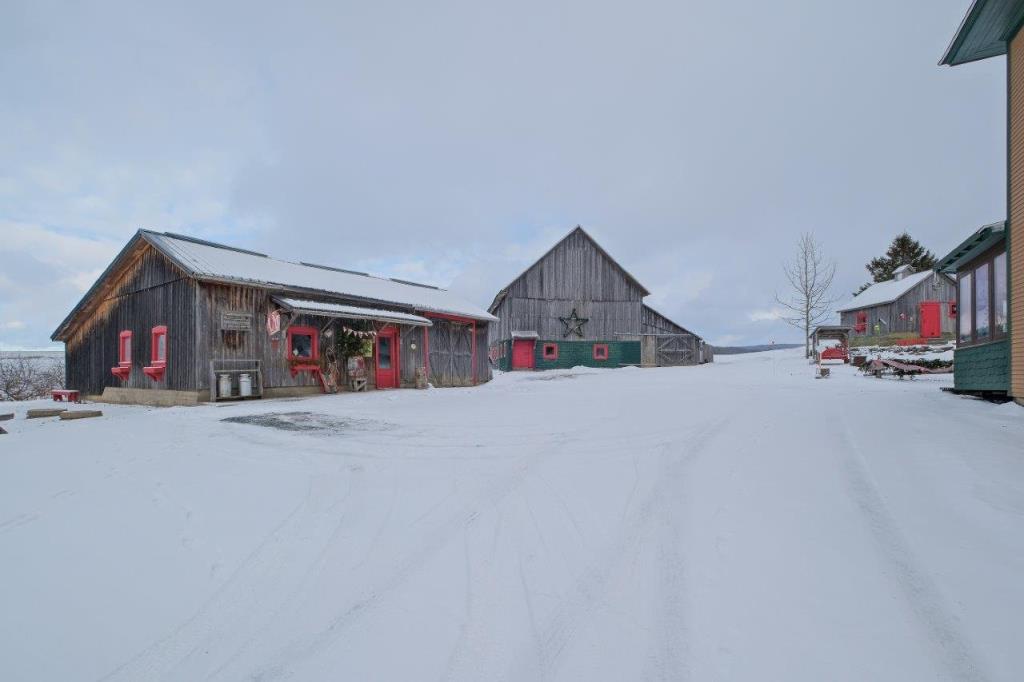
column 592, row 586
column 490, row 497
column 922, row 596
column 256, row 582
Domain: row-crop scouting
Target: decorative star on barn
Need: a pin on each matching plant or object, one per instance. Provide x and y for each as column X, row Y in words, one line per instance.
column 573, row 324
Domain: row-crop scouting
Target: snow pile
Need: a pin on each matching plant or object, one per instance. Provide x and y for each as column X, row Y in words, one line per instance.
column 734, row 521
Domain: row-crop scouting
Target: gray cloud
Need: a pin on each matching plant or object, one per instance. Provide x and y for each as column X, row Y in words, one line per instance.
column 456, row 142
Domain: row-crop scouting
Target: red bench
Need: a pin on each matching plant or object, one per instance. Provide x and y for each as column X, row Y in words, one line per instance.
column 64, row 395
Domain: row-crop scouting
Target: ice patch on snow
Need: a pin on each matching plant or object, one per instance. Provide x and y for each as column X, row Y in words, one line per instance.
column 306, row 421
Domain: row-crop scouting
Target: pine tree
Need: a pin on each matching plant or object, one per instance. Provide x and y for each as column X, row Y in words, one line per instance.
column 904, row 250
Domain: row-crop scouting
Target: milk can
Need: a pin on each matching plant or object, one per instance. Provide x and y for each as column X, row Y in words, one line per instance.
column 244, row 385
column 224, row 386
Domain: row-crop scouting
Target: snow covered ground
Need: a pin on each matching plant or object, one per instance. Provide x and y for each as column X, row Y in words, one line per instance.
column 736, row 521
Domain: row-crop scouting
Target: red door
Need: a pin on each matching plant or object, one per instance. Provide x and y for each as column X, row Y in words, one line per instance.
column 387, row 358
column 522, row 354
column 931, row 322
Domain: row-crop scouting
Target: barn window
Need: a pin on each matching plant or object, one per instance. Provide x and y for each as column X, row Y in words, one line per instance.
column 158, row 346
column 550, row 351
column 952, row 309
column 600, row 351
column 157, row 353
column 303, row 343
column 862, row 321
column 124, row 356
column 124, row 349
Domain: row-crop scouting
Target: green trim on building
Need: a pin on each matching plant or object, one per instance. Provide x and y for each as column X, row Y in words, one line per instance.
column 576, row 353
column 982, row 368
column 572, row 354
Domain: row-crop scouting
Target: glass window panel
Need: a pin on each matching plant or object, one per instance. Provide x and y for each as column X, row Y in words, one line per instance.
column 126, row 353
column 981, row 307
column 302, row 345
column 964, row 308
column 161, row 347
column 384, row 352
column 999, row 289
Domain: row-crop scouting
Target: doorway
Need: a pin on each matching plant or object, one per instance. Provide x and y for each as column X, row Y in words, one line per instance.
column 387, row 357
column 522, row 353
column 931, row 322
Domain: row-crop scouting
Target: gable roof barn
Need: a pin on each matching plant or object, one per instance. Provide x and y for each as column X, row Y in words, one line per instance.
column 578, row 230
column 211, row 262
column 881, row 293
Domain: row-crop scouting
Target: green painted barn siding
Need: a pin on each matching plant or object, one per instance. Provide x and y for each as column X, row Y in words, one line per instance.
column 982, row 368
column 575, row 353
column 502, row 354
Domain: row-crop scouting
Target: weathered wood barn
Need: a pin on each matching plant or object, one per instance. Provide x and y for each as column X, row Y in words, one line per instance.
column 577, row 306
column 176, row 320
column 911, row 304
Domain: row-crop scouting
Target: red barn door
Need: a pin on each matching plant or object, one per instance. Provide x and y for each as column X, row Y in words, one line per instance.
column 931, row 323
column 387, row 358
column 522, row 353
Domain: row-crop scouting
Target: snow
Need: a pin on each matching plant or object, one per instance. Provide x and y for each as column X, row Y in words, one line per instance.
column 352, row 311
column 885, row 292
column 209, row 261
column 733, row 521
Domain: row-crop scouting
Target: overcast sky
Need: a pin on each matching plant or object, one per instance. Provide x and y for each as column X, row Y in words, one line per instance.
column 453, row 143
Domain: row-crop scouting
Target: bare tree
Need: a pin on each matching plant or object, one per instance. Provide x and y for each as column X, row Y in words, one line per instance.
column 25, row 378
column 810, row 278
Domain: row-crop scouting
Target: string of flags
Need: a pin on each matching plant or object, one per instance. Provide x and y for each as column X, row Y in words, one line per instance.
column 358, row 333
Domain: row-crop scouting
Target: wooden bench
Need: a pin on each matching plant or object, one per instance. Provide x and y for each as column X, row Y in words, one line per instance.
column 64, row 395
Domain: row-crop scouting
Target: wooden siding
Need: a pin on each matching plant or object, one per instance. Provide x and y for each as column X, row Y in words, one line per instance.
column 575, row 274
column 255, row 344
column 664, row 351
column 1015, row 210
column 450, row 352
column 888, row 316
column 147, row 292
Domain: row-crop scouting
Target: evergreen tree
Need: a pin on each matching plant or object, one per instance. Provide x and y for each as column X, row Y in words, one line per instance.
column 904, row 250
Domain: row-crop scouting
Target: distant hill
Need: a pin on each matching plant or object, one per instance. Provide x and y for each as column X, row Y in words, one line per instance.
column 736, row 350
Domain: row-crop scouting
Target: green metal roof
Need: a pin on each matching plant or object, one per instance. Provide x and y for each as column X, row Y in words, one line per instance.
column 985, row 30
column 983, row 239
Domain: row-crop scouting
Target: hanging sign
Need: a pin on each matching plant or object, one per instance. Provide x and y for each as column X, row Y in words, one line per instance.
column 273, row 322
column 235, row 321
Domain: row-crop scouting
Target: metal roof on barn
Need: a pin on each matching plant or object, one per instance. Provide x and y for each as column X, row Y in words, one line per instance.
column 888, row 291
column 211, row 262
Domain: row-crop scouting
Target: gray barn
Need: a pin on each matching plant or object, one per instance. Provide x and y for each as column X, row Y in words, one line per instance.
column 173, row 316
column 911, row 305
column 578, row 306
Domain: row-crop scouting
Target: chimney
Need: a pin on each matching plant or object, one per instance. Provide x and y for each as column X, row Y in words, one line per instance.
column 902, row 271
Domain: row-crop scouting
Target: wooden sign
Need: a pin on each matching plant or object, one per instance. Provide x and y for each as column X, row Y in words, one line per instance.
column 235, row 322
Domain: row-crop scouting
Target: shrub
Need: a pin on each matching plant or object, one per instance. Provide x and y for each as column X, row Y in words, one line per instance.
column 25, row 378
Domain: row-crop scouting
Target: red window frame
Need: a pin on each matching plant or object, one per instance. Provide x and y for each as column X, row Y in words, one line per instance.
column 952, row 309
column 600, row 351
column 124, row 349
column 157, row 365
column 313, row 333
column 124, row 356
column 154, row 345
column 550, row 351
column 862, row 321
